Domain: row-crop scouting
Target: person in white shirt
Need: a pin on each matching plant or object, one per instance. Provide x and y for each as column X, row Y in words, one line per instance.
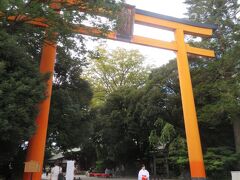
column 143, row 174
column 55, row 171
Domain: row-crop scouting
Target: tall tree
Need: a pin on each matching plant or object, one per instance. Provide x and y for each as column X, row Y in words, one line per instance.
column 69, row 119
column 217, row 105
column 21, row 89
column 224, row 14
column 116, row 77
column 109, row 71
column 120, row 133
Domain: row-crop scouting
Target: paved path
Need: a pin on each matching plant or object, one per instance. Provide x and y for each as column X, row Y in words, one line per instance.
column 83, row 177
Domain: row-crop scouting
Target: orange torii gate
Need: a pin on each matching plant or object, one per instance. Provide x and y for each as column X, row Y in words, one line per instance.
column 180, row 27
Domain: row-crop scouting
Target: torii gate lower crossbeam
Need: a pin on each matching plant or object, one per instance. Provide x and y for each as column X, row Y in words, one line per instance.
column 180, row 28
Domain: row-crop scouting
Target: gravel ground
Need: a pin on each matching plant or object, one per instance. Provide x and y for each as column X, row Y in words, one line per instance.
column 83, row 177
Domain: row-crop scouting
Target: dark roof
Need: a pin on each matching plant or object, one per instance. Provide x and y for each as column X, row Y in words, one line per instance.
column 170, row 18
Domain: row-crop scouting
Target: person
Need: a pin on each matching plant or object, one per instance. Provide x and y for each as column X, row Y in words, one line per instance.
column 122, row 170
column 117, row 172
column 107, row 171
column 8, row 169
column 143, row 174
column 48, row 169
column 55, row 171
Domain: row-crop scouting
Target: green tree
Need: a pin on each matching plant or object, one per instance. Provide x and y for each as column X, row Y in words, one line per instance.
column 219, row 161
column 109, row 71
column 163, row 105
column 69, row 119
column 224, row 14
column 161, row 138
column 216, row 93
column 226, row 42
column 115, row 77
column 162, row 94
column 21, row 89
column 121, row 134
column 216, row 98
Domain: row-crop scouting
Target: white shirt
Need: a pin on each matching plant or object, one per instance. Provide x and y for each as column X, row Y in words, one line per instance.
column 142, row 173
column 55, row 171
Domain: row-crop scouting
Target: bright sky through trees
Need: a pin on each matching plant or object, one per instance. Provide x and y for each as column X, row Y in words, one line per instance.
column 154, row 57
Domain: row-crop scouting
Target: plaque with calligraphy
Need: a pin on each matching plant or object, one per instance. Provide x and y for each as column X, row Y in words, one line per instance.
column 126, row 22
column 32, row 166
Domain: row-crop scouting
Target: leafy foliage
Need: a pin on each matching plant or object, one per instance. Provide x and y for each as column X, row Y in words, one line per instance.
column 109, row 71
column 116, row 124
column 178, row 153
column 21, row 88
column 219, row 160
column 222, row 13
column 220, row 97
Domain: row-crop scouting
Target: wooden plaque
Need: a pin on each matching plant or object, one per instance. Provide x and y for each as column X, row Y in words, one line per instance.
column 32, row 166
column 126, row 19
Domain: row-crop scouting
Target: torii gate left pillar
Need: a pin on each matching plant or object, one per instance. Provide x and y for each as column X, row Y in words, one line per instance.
column 36, row 146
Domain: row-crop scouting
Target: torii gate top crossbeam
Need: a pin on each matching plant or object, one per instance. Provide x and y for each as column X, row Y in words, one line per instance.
column 131, row 16
column 186, row 24
column 142, row 17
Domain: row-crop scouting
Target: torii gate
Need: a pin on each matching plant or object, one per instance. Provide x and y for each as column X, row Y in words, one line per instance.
column 180, row 27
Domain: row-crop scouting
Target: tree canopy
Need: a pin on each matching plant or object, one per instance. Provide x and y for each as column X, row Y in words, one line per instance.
column 109, row 71
column 21, row 89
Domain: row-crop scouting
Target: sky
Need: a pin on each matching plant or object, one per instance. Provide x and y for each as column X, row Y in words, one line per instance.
column 154, row 57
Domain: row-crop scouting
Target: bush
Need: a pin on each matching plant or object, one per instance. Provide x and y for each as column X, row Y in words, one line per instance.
column 220, row 161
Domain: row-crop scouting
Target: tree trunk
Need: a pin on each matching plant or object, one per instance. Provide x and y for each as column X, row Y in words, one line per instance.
column 236, row 130
column 167, row 167
column 154, row 166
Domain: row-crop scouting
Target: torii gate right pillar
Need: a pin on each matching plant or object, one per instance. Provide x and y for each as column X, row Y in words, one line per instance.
column 189, row 112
